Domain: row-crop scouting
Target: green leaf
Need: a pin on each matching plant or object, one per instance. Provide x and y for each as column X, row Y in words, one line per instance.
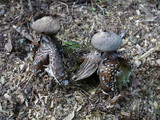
column 71, row 44
column 125, row 72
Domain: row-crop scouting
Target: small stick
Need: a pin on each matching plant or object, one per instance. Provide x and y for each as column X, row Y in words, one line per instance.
column 100, row 8
column 148, row 52
column 8, row 45
column 92, row 27
column 65, row 5
column 122, row 34
column 22, row 7
column 30, row 5
column 145, row 10
column 26, row 35
column 23, row 33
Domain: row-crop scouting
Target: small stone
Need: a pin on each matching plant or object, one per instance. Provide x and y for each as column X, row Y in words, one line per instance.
column 137, row 63
column 7, row 96
column 153, row 40
column 2, row 12
column 138, row 12
column 153, row 63
column 158, row 62
column 21, row 66
column 137, row 36
column 2, row 80
column 129, row 43
column 53, row 118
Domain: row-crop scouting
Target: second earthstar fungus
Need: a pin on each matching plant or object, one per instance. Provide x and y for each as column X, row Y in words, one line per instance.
column 107, row 61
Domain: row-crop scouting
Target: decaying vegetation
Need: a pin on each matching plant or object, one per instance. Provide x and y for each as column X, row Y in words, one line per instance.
column 26, row 96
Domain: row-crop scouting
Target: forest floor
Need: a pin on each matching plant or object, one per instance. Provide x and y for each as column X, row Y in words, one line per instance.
column 25, row 96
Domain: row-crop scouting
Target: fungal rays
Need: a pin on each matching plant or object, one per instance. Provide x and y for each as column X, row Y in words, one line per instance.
column 55, row 67
column 89, row 65
column 108, row 69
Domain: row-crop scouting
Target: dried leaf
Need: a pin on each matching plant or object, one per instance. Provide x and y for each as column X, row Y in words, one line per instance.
column 89, row 65
column 70, row 116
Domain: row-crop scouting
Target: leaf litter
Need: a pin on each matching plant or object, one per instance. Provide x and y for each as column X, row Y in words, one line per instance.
column 26, row 96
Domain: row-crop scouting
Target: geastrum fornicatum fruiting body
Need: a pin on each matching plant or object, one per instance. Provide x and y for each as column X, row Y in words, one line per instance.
column 106, row 41
column 48, row 53
column 105, row 58
column 47, row 25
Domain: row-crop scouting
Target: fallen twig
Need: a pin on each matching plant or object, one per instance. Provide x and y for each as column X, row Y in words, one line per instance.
column 8, row 45
column 65, row 5
column 23, row 33
column 30, row 5
column 22, row 7
column 26, row 35
column 148, row 52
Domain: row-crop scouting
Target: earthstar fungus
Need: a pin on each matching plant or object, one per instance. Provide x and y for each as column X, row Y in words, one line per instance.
column 104, row 58
column 106, row 41
column 47, row 25
column 48, row 54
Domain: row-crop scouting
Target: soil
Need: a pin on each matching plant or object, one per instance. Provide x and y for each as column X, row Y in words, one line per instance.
column 24, row 95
